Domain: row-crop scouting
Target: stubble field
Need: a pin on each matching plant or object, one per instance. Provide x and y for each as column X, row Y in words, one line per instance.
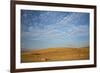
column 55, row 54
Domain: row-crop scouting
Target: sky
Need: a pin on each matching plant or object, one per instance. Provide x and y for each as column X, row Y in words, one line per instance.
column 49, row 29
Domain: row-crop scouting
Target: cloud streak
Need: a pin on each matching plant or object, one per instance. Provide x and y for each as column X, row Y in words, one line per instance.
column 49, row 25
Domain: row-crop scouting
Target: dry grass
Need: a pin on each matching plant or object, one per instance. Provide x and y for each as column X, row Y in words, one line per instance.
column 55, row 54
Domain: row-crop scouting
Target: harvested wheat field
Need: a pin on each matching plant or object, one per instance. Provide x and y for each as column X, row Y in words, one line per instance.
column 55, row 54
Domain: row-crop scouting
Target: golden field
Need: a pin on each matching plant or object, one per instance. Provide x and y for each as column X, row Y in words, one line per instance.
column 55, row 54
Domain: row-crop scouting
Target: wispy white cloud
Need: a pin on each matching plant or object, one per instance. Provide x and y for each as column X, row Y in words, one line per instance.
column 56, row 26
column 55, row 30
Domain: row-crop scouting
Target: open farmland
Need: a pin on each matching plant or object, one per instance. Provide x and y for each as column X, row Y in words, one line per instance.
column 55, row 54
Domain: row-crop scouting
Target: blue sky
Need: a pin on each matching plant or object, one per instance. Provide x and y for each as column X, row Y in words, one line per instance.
column 44, row 29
